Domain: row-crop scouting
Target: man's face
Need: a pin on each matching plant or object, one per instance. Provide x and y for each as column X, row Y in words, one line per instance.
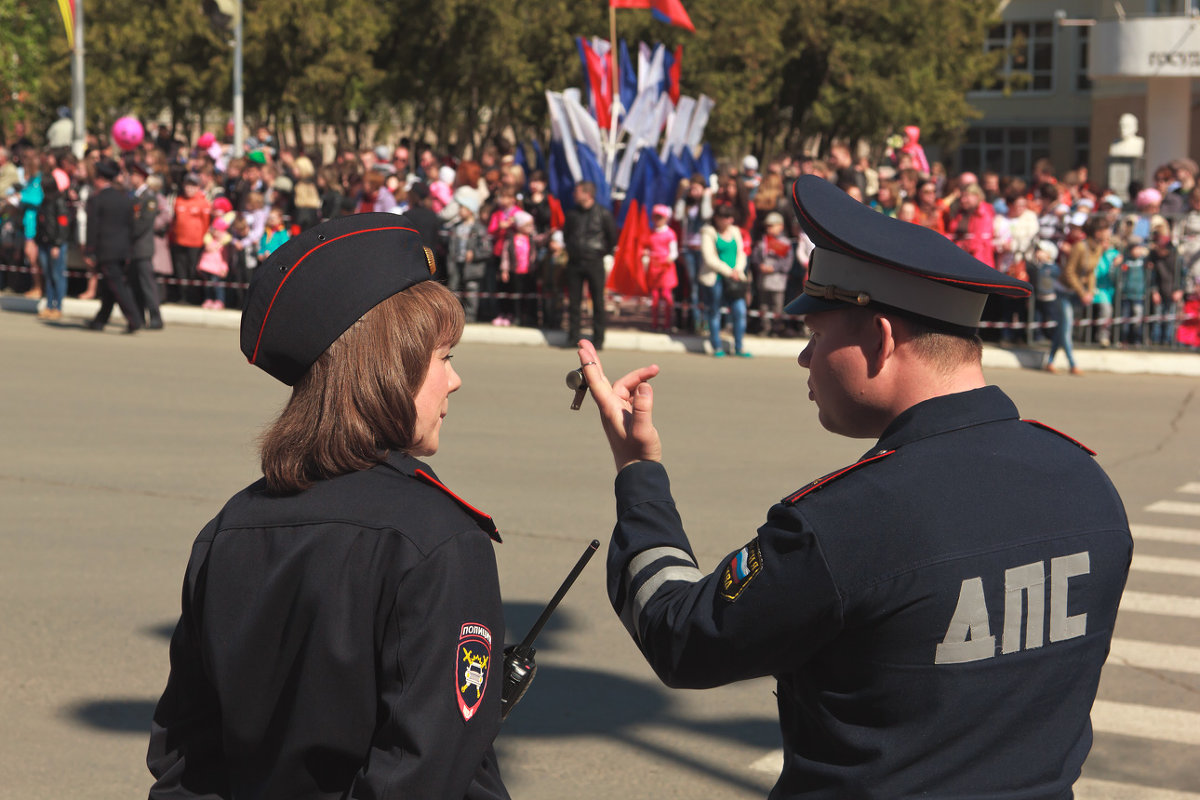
column 252, row 173
column 400, row 158
column 427, row 160
column 836, row 360
column 583, row 199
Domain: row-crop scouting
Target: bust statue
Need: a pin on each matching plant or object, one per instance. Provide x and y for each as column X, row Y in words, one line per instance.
column 1129, row 145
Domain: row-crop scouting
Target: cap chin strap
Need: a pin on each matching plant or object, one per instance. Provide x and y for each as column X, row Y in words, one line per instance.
column 831, row 292
column 830, row 271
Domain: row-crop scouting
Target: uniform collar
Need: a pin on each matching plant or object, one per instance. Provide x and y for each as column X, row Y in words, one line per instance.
column 419, row 470
column 947, row 413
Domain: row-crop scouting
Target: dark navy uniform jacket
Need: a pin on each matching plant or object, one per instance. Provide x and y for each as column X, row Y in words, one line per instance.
column 936, row 615
column 343, row 642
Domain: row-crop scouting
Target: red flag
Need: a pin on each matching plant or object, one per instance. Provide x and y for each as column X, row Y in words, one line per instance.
column 668, row 11
column 672, row 13
column 597, row 68
column 628, row 276
column 557, row 218
column 673, row 75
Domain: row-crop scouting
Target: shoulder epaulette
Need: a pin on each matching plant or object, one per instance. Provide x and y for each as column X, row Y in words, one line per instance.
column 482, row 519
column 1075, row 442
column 833, row 476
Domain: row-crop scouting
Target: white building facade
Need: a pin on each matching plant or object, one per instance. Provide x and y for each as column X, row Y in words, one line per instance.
column 1072, row 68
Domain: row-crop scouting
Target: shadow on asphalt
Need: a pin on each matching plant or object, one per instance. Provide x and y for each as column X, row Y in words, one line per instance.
column 562, row 702
column 118, row 716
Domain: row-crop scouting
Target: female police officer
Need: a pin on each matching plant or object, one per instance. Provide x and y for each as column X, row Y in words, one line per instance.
column 342, row 614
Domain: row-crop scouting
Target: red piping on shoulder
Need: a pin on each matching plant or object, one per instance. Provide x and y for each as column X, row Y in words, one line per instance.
column 425, row 476
column 1075, row 442
column 817, row 484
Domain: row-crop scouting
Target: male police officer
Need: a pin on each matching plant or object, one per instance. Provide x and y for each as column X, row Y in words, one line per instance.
column 937, row 613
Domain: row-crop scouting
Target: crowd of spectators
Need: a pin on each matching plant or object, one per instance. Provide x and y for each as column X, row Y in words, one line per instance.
column 728, row 253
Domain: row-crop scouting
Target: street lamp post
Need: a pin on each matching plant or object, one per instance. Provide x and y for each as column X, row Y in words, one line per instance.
column 78, row 94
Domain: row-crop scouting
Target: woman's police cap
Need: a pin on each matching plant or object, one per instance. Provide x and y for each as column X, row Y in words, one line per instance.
column 318, row 284
column 863, row 257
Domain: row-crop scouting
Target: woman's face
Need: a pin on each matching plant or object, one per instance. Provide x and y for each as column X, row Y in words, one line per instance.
column 433, row 402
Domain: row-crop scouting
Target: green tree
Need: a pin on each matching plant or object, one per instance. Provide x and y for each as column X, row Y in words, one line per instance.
column 463, row 71
column 864, row 69
column 32, row 41
column 311, row 59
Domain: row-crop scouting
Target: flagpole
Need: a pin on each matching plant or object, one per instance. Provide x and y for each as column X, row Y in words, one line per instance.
column 614, row 91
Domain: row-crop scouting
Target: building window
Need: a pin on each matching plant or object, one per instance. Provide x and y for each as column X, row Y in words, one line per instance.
column 1028, row 63
column 1172, row 8
column 1008, row 151
column 1082, row 82
column 1083, row 146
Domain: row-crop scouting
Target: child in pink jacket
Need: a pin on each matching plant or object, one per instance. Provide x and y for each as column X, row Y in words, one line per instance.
column 661, row 280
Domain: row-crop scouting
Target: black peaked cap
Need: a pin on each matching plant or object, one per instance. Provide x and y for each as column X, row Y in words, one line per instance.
column 318, row 284
column 836, row 222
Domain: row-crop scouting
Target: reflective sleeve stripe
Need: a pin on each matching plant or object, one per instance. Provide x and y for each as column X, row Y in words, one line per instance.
column 652, row 585
column 648, row 557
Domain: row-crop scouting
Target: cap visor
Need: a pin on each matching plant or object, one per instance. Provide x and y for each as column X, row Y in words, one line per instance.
column 807, row 304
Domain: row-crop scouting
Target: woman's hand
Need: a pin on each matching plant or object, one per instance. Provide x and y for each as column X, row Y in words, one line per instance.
column 625, row 409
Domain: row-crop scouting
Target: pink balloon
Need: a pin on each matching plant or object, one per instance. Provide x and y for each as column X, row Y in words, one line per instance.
column 128, row 133
column 205, row 141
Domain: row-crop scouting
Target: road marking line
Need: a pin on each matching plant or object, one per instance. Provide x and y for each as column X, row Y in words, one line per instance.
column 1175, row 507
column 1092, row 789
column 1171, row 566
column 1152, row 655
column 1085, row 788
column 1189, row 488
column 1168, row 605
column 1146, row 722
column 1160, row 533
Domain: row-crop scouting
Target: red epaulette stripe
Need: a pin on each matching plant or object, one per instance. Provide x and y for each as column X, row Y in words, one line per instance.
column 1075, row 442
column 817, row 484
column 266, row 316
column 494, row 532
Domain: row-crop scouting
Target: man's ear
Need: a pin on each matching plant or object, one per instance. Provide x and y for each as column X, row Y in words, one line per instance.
column 882, row 343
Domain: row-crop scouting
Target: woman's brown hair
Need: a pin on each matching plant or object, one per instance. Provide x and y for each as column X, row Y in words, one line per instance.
column 355, row 403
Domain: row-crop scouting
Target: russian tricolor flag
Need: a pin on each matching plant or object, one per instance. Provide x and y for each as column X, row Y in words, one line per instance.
column 668, row 11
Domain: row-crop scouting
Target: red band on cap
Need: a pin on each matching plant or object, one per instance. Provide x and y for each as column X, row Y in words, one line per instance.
column 266, row 316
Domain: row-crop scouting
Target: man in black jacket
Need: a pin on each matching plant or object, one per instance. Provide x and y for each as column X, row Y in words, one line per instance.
column 590, row 235
column 109, row 231
column 141, row 267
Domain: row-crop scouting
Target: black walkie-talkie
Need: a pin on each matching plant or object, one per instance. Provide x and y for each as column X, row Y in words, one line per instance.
column 519, row 666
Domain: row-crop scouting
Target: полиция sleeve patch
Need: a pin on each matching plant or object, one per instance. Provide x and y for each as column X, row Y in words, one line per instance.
column 740, row 570
column 472, row 666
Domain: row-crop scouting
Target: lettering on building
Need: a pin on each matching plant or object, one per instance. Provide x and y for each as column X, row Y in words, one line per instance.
column 1176, row 59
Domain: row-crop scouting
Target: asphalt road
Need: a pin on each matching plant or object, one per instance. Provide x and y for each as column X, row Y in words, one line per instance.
column 117, row 449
